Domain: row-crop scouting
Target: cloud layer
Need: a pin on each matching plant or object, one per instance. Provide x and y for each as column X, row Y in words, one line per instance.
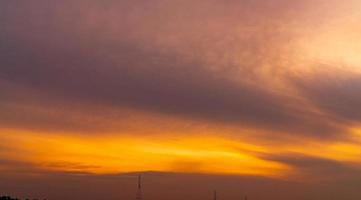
column 282, row 76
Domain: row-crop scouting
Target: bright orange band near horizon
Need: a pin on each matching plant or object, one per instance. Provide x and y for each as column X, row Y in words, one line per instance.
column 121, row 154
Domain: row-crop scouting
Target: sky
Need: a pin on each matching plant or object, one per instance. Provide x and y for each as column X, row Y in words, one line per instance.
column 241, row 96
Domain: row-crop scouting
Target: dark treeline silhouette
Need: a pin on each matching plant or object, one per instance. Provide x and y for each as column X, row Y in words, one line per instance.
column 11, row 198
column 8, row 198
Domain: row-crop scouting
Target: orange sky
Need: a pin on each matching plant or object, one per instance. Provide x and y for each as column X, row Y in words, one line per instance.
column 240, row 88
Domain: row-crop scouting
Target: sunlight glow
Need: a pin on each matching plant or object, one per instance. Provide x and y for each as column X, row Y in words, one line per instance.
column 126, row 154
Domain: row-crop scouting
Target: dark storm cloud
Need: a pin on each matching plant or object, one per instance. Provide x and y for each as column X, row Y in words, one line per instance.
column 57, row 52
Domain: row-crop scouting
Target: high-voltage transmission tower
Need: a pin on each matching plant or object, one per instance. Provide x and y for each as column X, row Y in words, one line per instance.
column 139, row 190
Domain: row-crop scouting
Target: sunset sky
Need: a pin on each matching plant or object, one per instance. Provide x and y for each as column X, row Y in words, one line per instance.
column 264, row 95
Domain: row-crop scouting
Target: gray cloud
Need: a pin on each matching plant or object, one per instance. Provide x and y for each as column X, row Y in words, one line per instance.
column 63, row 56
column 336, row 91
column 311, row 169
column 117, row 59
column 75, row 65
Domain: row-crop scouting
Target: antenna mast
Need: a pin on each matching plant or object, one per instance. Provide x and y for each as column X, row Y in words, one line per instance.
column 139, row 190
